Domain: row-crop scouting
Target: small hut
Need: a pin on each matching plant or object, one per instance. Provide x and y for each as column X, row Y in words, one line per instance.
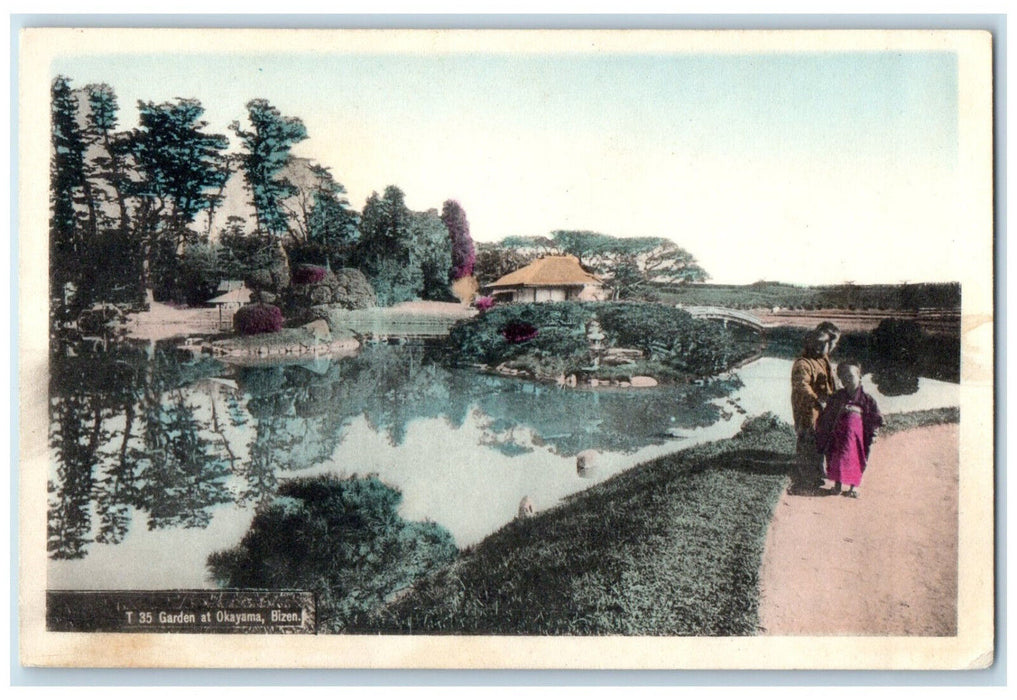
column 551, row 278
column 237, row 295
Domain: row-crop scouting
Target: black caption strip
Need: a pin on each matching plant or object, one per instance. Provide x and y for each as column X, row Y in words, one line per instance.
column 187, row 611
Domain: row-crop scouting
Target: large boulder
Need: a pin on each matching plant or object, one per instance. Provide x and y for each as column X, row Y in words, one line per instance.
column 315, row 286
column 272, row 279
column 353, row 290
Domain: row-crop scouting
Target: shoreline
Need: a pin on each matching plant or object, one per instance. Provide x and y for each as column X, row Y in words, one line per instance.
column 667, row 534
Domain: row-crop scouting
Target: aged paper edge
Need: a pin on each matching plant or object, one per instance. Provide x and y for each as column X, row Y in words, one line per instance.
column 971, row 648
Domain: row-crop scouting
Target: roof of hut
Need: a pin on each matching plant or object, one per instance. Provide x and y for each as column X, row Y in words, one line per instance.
column 241, row 295
column 549, row 271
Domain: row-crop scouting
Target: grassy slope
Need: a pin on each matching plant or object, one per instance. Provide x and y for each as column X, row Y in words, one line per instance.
column 670, row 547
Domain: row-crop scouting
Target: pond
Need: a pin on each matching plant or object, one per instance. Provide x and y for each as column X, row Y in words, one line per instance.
column 160, row 458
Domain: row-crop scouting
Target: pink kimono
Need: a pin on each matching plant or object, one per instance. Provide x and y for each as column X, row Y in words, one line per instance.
column 844, row 433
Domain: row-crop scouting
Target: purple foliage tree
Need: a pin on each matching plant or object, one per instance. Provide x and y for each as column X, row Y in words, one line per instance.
column 463, row 252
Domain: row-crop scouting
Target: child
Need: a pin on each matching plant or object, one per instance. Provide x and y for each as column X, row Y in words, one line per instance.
column 846, row 429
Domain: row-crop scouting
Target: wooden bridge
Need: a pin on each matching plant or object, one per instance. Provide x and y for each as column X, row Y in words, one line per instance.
column 726, row 315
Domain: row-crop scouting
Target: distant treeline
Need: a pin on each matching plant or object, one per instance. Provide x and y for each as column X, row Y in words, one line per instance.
column 884, row 297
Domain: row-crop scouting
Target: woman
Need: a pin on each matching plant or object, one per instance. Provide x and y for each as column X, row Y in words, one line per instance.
column 812, row 384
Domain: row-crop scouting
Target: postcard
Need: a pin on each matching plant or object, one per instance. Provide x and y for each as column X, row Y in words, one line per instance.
column 506, row 349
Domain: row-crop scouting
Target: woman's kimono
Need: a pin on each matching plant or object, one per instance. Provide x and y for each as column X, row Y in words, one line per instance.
column 844, row 433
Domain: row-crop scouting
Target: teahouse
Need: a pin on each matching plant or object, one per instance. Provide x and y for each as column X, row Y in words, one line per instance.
column 551, row 278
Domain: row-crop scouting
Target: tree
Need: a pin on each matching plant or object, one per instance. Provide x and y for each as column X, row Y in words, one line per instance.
column 384, row 252
column 110, row 166
column 432, row 251
column 463, row 252
column 630, row 265
column 494, row 262
column 268, row 151
column 67, row 178
column 179, row 165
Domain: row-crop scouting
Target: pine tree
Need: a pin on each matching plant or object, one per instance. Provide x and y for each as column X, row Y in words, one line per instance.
column 268, row 150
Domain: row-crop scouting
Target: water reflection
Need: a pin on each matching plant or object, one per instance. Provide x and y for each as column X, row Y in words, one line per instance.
column 125, row 434
column 153, row 449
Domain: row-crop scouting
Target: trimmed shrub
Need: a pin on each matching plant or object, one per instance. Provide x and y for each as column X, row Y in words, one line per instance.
column 255, row 319
column 343, row 539
column 519, row 331
column 308, row 274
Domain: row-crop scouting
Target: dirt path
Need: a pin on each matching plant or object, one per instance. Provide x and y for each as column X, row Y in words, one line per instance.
column 884, row 564
column 163, row 321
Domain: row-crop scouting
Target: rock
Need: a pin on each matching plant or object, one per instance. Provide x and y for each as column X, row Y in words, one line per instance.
column 268, row 297
column 586, row 463
column 642, row 381
column 525, row 508
column 321, row 294
column 319, row 329
column 259, row 279
column 620, row 356
column 353, row 290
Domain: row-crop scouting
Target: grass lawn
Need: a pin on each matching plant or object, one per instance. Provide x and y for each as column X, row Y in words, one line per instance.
column 670, row 547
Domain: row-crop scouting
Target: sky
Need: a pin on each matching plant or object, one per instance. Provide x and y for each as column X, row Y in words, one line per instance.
column 808, row 168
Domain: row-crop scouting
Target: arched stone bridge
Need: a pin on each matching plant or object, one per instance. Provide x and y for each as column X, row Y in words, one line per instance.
column 720, row 313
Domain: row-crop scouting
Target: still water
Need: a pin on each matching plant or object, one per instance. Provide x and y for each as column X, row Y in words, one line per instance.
column 160, row 458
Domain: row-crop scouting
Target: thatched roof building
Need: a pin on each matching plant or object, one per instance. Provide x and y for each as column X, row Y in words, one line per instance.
column 551, row 278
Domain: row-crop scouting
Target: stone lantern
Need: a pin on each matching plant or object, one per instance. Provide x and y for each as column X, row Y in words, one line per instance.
column 595, row 337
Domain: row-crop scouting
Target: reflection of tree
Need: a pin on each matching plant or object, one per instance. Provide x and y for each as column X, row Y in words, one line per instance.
column 182, row 479
column 118, row 487
column 573, row 420
column 150, row 430
column 84, row 396
column 74, row 442
column 394, row 386
column 895, row 381
column 297, row 423
column 120, row 443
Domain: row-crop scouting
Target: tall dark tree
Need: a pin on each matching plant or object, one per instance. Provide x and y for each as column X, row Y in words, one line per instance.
column 179, row 164
column 432, row 252
column 463, row 253
column 110, row 164
column 67, row 179
column 385, row 250
column 267, row 147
